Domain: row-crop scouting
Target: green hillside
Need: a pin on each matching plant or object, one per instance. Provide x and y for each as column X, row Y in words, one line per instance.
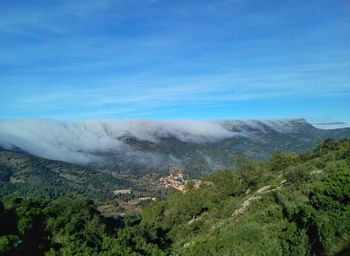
column 22, row 174
column 291, row 204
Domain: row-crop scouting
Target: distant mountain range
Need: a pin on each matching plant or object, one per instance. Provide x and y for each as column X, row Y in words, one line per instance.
column 139, row 147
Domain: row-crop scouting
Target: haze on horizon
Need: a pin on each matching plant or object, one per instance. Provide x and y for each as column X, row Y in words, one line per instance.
column 157, row 59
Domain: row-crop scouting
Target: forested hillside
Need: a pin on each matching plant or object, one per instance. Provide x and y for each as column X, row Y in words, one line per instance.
column 291, row 204
column 22, row 174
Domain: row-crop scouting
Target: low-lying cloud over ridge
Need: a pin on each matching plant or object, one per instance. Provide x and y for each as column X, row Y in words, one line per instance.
column 84, row 141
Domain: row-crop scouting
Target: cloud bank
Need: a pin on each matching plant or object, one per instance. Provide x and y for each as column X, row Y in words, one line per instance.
column 331, row 126
column 84, row 142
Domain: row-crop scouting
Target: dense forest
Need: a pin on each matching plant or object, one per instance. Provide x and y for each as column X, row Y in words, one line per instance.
column 290, row 204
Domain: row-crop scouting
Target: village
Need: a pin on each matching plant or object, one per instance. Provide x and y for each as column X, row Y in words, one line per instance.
column 129, row 201
column 175, row 181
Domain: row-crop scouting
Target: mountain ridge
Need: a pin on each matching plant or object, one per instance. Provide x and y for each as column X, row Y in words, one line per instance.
column 142, row 146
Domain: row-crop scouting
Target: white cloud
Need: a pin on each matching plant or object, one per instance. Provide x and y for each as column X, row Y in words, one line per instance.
column 330, row 126
column 87, row 141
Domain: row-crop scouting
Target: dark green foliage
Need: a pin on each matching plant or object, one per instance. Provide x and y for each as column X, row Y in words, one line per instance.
column 328, row 211
column 292, row 204
column 249, row 171
column 69, row 226
column 280, row 161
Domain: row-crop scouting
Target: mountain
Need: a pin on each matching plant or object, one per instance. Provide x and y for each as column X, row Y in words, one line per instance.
column 140, row 147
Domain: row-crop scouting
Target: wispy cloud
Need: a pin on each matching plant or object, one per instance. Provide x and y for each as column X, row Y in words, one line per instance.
column 86, row 58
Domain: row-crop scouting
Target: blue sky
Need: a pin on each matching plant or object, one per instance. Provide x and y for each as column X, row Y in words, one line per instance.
column 163, row 59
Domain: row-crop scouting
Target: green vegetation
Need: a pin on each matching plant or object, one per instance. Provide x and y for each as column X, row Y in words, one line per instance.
column 25, row 175
column 291, row 204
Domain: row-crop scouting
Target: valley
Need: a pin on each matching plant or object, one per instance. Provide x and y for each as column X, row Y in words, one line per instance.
column 154, row 166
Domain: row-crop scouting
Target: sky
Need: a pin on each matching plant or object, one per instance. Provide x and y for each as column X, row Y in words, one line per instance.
column 183, row 59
